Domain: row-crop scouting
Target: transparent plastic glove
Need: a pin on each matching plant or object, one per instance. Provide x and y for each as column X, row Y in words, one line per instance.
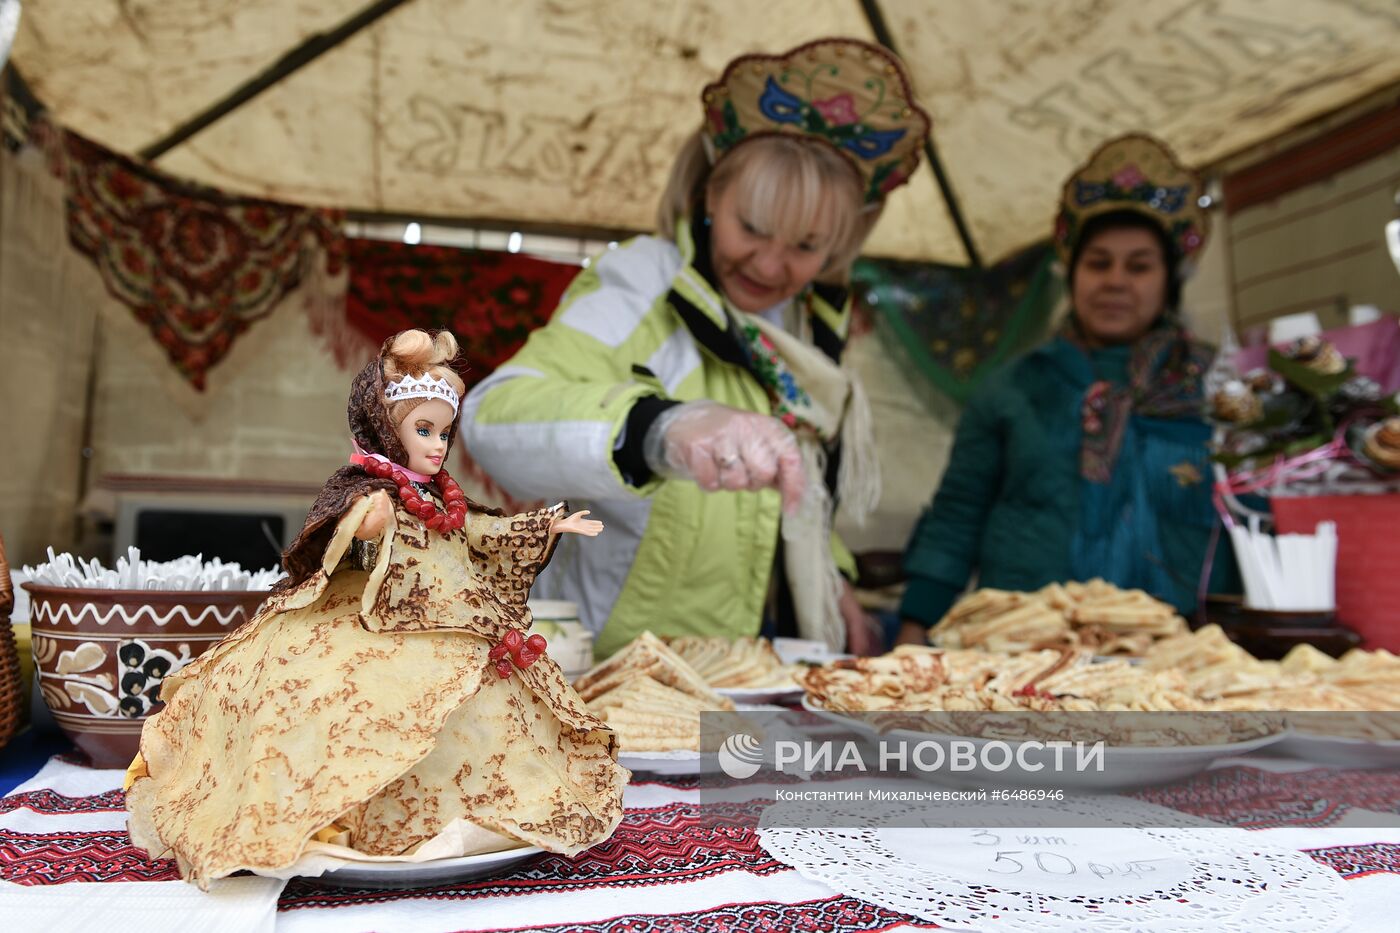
column 724, row 448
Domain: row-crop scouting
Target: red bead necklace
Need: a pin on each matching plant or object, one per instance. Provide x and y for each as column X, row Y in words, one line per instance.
column 455, row 515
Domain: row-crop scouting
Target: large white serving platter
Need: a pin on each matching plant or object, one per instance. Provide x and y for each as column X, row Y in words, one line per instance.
column 1124, row 766
column 1341, row 751
column 683, row 761
column 761, row 694
column 426, row 874
column 806, row 651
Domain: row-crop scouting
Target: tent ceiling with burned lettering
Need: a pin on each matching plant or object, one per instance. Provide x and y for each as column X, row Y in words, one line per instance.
column 567, row 112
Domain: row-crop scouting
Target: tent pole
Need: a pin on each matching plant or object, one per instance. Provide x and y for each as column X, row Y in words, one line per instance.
column 876, row 19
column 314, row 47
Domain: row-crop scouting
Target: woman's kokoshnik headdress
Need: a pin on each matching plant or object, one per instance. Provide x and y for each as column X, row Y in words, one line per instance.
column 1135, row 173
column 852, row 95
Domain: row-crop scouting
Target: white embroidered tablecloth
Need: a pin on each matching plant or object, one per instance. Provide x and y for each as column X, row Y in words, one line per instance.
column 673, row 865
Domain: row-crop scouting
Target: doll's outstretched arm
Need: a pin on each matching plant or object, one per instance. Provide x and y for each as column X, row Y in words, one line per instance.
column 379, row 514
column 577, row 524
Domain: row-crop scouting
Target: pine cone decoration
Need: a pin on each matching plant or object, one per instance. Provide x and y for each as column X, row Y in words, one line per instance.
column 1383, row 443
column 1236, row 403
column 1264, row 381
column 1318, row 355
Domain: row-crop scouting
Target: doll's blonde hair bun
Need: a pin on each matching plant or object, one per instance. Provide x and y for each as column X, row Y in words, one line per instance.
column 415, row 353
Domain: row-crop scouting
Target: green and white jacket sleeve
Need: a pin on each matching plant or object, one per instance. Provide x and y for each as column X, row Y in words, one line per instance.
column 546, row 423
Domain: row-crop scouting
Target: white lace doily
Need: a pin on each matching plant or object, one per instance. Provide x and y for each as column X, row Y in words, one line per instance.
column 1121, row 878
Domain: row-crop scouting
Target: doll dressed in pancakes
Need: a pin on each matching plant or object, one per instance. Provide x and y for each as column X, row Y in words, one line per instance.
column 389, row 691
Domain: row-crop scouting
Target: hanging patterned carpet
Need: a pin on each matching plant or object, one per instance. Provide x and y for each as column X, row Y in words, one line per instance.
column 196, row 266
column 489, row 300
column 948, row 327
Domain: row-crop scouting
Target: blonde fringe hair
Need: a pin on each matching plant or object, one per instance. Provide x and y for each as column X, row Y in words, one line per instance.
column 415, row 352
column 786, row 184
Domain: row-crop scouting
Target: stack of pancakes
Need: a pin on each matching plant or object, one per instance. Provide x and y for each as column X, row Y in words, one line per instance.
column 741, row 664
column 931, row 679
column 1096, row 616
column 650, row 697
column 1226, row 677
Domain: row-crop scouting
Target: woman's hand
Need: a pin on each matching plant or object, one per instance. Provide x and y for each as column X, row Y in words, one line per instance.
column 725, row 448
column 576, row 524
column 864, row 634
column 911, row 633
column 381, row 510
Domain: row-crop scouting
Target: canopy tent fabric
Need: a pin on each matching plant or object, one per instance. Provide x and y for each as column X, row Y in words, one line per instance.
column 556, row 114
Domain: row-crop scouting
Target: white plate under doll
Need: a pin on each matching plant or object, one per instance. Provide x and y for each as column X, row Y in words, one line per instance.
column 389, row 693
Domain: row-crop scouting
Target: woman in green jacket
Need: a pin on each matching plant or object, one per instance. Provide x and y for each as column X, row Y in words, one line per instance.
column 689, row 392
column 1087, row 457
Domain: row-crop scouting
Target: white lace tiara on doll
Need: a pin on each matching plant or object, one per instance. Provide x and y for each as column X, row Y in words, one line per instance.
column 424, row 386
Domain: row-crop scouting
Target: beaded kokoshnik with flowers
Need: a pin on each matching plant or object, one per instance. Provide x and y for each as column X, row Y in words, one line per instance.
column 851, row 95
column 1138, row 173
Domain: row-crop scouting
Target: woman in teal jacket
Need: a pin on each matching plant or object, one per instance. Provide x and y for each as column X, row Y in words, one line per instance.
column 1087, row 457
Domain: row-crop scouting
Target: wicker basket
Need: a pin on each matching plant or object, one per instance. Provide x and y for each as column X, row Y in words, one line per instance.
column 11, row 684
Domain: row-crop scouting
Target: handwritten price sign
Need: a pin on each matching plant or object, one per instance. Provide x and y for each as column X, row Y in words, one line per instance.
column 1045, row 855
column 1101, row 862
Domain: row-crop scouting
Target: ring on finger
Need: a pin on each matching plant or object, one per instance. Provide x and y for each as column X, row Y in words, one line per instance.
column 727, row 461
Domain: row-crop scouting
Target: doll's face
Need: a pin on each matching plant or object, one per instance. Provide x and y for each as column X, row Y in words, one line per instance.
column 423, row 433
